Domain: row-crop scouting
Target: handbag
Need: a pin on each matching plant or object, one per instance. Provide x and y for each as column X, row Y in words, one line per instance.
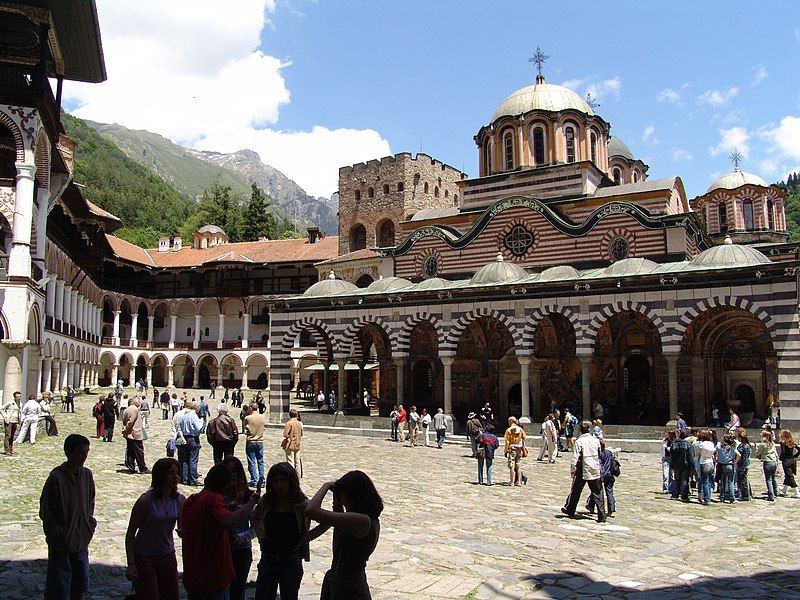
column 524, row 452
column 480, row 452
column 285, row 443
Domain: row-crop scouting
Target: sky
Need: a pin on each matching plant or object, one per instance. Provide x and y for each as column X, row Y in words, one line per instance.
column 313, row 85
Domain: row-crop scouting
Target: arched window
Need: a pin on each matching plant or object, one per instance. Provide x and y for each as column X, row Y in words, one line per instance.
column 358, row 195
column 436, row 191
column 617, row 174
column 358, row 237
column 447, row 193
column 538, row 146
column 770, row 214
column 487, row 159
column 508, row 150
column 188, row 332
column 426, row 187
column 386, row 189
column 636, row 177
column 370, row 192
column 747, row 213
column 207, row 332
column 385, row 234
column 569, row 136
column 723, row 217
column 593, row 146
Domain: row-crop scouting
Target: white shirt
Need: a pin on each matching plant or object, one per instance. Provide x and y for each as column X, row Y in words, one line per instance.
column 705, row 452
column 549, row 429
column 589, row 447
column 31, row 410
column 426, row 420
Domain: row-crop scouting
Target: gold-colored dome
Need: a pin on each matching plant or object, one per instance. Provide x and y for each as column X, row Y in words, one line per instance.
column 541, row 96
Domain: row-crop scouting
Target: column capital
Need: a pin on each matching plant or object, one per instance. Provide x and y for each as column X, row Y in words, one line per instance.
column 400, row 360
column 15, row 344
column 26, row 170
column 447, row 360
column 672, row 357
column 585, row 359
column 525, row 360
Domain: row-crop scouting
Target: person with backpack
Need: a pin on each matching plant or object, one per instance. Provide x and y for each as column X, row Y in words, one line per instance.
column 570, row 423
column 487, row 444
column 609, row 471
column 473, row 430
column 204, row 411
column 681, row 464
column 585, row 470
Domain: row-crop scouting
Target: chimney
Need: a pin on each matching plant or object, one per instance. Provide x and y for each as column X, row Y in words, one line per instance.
column 314, row 235
column 177, row 243
column 163, row 244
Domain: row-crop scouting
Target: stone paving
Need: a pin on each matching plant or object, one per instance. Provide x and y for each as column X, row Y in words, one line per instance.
column 442, row 535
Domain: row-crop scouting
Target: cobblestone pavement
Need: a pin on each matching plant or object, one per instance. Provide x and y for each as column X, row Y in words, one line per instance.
column 442, row 535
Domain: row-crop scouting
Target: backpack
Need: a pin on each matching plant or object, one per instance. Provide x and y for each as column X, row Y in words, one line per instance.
column 96, row 411
column 615, row 470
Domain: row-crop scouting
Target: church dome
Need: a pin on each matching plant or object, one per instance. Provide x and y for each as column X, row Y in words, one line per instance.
column 329, row 287
column 541, row 96
column 735, row 179
column 387, row 284
column 434, row 283
column 616, row 147
column 729, row 255
column 558, row 273
column 211, row 229
column 630, row 266
column 498, row 271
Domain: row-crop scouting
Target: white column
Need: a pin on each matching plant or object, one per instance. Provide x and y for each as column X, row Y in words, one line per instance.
column 151, row 319
column 39, row 385
column 246, row 330
column 245, row 376
column 196, row 343
column 67, row 314
column 341, row 375
column 170, row 375
column 149, row 375
column 221, row 336
column 447, row 361
column 19, row 259
column 59, row 300
column 55, row 376
column 73, row 307
column 115, row 331
column 400, row 363
column 586, row 387
column 672, row 379
column 196, row 378
column 98, row 328
column 134, row 327
column 64, row 374
column 114, row 374
column 50, row 298
column 173, row 327
column 13, row 379
column 524, row 384
column 41, row 226
column 47, row 374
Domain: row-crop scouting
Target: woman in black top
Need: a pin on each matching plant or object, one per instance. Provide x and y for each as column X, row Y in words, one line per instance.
column 357, row 507
column 789, row 454
column 110, row 416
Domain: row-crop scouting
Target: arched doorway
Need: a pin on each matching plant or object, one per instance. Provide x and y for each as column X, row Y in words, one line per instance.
column 182, row 371
column 140, row 372
column 208, row 372
column 385, row 234
column 159, row 372
column 637, row 379
column 371, row 346
column 554, row 347
column 426, row 383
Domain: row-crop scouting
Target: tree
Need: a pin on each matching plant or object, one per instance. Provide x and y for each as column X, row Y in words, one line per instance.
column 258, row 221
column 216, row 207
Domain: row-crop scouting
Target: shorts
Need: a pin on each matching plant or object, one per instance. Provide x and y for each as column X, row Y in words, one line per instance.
column 514, row 457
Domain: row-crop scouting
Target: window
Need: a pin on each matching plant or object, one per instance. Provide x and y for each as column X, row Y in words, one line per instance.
column 358, row 237
column 617, row 175
column 636, row 177
column 723, row 218
column 430, row 266
column 370, row 192
column 619, row 248
column 447, row 193
column 400, row 187
column 747, row 213
column 385, row 234
column 207, row 333
column 519, row 240
column 358, row 195
column 508, row 150
column 569, row 136
column 538, row 146
column 593, row 144
column 436, row 191
column 487, row 159
column 188, row 332
column 770, row 214
column 426, row 187
column 386, row 189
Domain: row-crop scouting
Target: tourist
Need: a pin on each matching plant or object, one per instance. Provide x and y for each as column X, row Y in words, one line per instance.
column 29, row 414
column 473, row 429
column 66, row 508
column 681, row 462
column 46, row 415
column 705, row 453
column 515, row 451
column 320, row 400
column 585, row 469
column 357, row 507
column 680, row 424
column 393, row 419
column 570, row 422
column 599, row 410
column 788, row 453
column 282, row 528
column 487, row 415
column 110, row 416
column 598, row 429
column 726, row 456
column 222, row 433
column 11, row 413
column 241, row 534
column 204, row 525
column 487, row 444
column 767, row 452
column 190, row 427
column 744, row 452
column 366, row 398
column 132, row 432
column 332, row 401
column 144, row 408
column 254, row 446
column 715, row 416
column 292, row 432
column 609, row 470
column 212, row 392
column 149, row 543
column 123, row 404
column 425, row 423
column 204, row 411
column 666, row 479
column 734, row 423
column 175, row 404
column 69, row 405
column 557, row 426
column 225, row 396
column 261, row 405
column 97, row 413
column 440, row 425
column 164, row 400
column 413, row 426
column 401, row 423
column 548, row 439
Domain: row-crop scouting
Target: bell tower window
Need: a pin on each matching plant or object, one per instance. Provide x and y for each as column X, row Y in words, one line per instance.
column 617, row 173
column 723, row 218
column 593, row 144
column 747, row 213
column 569, row 136
column 487, row 158
column 508, row 150
column 770, row 214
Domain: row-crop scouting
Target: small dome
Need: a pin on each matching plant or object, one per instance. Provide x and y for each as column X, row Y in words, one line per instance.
column 541, row 96
column 735, row 179
column 559, row 273
column 387, row 284
column 616, row 147
column 211, row 229
column 630, row 266
column 729, row 255
column 498, row 271
column 434, row 283
column 329, row 287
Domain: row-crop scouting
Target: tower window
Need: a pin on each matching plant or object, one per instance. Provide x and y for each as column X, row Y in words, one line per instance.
column 747, row 213
column 617, row 175
column 487, row 158
column 426, row 187
column 508, row 150
column 400, row 187
column 593, row 144
column 770, row 214
column 723, row 218
column 386, row 189
column 370, row 192
column 436, row 191
column 538, row 146
column 358, row 195
column 569, row 135
column 636, row 177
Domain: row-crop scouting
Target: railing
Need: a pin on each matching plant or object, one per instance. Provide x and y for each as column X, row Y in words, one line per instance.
column 258, row 343
column 230, row 345
column 107, row 341
column 208, row 345
column 160, row 344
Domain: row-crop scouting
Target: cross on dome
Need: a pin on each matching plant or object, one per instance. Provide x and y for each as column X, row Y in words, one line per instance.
column 539, row 58
column 736, row 158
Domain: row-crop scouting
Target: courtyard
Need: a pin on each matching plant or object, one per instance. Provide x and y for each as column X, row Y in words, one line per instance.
column 442, row 535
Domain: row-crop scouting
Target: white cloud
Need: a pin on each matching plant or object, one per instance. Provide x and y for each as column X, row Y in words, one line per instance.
column 785, row 137
column 761, row 75
column 768, row 166
column 597, row 89
column 719, row 98
column 648, row 136
column 185, row 70
column 573, row 84
column 681, row 154
column 669, row 95
column 733, row 138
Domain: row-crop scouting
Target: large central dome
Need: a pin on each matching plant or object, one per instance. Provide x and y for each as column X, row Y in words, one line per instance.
column 541, row 96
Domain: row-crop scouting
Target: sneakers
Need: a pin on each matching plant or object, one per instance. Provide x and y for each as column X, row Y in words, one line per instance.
column 525, row 479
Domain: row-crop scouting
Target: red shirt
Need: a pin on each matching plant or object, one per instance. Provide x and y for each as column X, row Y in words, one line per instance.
column 207, row 562
column 401, row 415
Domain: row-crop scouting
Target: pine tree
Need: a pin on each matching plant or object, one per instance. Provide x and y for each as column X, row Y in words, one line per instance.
column 258, row 221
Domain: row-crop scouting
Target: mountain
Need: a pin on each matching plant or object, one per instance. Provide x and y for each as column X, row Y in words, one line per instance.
column 192, row 171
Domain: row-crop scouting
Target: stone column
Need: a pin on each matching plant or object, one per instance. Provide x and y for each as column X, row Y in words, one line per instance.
column 341, row 362
column 151, row 321
column 41, row 226
column 149, row 375
column 326, row 379
column 196, row 377
column 134, row 327
column 50, row 298
column 245, row 376
column 586, row 387
column 114, row 374
column 173, row 327
column 39, row 384
column 67, row 319
column 524, row 383
column 13, row 380
column 221, row 335
column 55, row 377
column 170, row 375
column 447, row 361
column 65, row 370
column 79, row 312
column 47, row 374
column 59, row 300
column 115, row 331
column 19, row 258
column 672, row 379
column 246, row 330
column 536, row 388
column 788, row 392
column 73, row 310
column 196, row 344
column 400, row 363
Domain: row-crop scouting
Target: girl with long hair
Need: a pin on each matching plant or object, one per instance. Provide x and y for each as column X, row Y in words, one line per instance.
column 768, row 455
column 282, row 526
column 726, row 456
column 357, row 507
column 743, row 453
column 149, row 543
column 789, row 454
column 242, row 534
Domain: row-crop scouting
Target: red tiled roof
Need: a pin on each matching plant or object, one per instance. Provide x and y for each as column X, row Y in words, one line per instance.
column 101, row 213
column 364, row 253
column 271, row 251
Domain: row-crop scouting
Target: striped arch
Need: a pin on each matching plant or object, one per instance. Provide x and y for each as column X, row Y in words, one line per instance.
column 618, row 307
column 347, row 345
column 532, row 323
column 404, row 337
column 456, row 329
column 318, row 329
column 19, row 143
column 729, row 301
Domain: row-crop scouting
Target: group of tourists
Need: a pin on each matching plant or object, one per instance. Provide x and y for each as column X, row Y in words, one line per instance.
column 23, row 421
column 417, row 424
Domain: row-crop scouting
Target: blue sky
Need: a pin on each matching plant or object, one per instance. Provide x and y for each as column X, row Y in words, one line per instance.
column 680, row 82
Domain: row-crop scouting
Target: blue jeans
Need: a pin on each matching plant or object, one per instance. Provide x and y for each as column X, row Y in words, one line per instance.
column 706, row 483
column 284, row 571
column 473, row 441
column 726, row 485
column 255, row 458
column 769, row 475
column 440, row 433
column 189, row 468
column 488, row 462
column 67, row 575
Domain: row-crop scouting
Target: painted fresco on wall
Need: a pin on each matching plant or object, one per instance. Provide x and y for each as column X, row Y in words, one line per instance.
column 559, row 370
